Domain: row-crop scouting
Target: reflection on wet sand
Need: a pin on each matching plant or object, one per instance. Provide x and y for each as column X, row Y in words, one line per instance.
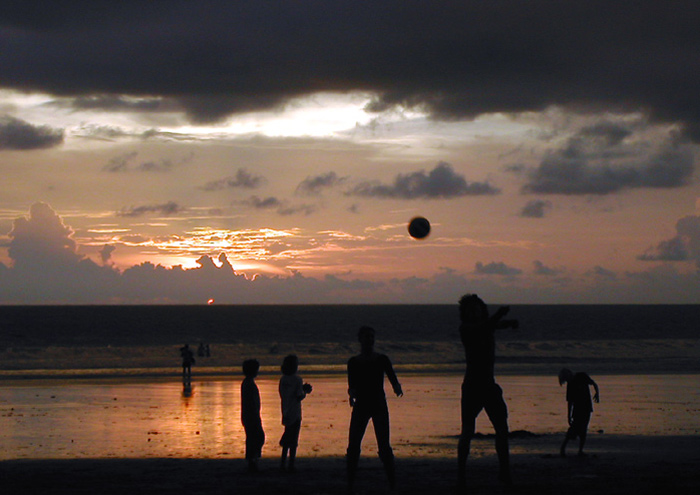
column 164, row 419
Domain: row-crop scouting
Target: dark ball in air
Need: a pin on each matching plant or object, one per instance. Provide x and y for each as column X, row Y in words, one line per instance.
column 419, row 228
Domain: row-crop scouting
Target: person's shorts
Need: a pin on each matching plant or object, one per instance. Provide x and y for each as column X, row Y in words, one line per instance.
column 290, row 438
column 579, row 425
column 488, row 396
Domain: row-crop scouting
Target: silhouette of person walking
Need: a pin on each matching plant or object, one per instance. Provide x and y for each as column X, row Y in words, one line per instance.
column 250, row 415
column 366, row 390
column 187, row 362
column 479, row 388
column 579, row 406
column 292, row 391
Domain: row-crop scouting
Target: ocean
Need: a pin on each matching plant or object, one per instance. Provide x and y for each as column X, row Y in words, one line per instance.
column 143, row 339
column 230, row 324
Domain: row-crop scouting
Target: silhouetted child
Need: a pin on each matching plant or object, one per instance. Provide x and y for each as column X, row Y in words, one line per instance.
column 366, row 390
column 580, row 407
column 292, row 391
column 479, row 389
column 250, row 414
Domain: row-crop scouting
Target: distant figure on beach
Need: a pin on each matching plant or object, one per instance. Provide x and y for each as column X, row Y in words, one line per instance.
column 366, row 390
column 203, row 350
column 479, row 389
column 579, row 406
column 250, row 415
column 292, row 391
column 187, row 362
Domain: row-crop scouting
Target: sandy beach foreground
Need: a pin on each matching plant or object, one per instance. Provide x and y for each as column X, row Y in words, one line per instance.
column 616, row 465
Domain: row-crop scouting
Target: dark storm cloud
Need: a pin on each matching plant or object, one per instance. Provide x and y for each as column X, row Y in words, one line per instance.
column 243, row 179
column 596, row 160
column 544, row 270
column 163, row 165
column 124, row 163
column 684, row 246
column 169, row 208
column 315, row 185
column 455, row 61
column 262, row 203
column 16, row 134
column 674, row 249
column 282, row 207
column 303, row 209
column 440, row 183
column 120, row 163
column 535, row 208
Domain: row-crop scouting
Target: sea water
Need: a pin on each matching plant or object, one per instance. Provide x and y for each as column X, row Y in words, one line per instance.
column 37, row 326
column 162, row 418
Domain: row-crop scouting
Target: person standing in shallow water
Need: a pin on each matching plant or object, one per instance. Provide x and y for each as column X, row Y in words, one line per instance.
column 479, row 388
column 292, row 391
column 187, row 361
column 366, row 390
column 250, row 415
column 579, row 406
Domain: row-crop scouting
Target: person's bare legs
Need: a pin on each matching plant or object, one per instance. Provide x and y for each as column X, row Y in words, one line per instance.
column 498, row 414
column 380, row 420
column 283, row 460
column 292, row 458
column 358, row 425
column 465, row 438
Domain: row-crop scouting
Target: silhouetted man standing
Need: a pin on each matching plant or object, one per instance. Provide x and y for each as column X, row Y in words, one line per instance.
column 366, row 390
column 479, row 389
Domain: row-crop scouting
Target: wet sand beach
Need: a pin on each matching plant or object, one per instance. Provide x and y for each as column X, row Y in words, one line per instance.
column 146, row 436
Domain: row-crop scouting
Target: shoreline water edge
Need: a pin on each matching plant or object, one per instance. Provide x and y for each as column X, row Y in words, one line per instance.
column 647, row 356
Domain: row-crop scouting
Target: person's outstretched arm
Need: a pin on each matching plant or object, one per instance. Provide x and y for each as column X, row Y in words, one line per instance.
column 498, row 323
column 389, row 370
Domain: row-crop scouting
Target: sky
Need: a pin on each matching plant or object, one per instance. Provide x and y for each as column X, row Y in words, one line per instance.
column 273, row 152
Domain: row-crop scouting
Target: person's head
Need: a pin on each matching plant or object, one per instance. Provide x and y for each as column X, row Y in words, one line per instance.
column 366, row 337
column 565, row 375
column 471, row 307
column 290, row 365
column 251, row 368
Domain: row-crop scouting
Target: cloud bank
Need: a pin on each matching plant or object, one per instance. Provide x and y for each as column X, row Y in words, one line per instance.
column 599, row 160
column 16, row 134
column 684, row 246
column 440, row 183
column 47, row 268
column 460, row 60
